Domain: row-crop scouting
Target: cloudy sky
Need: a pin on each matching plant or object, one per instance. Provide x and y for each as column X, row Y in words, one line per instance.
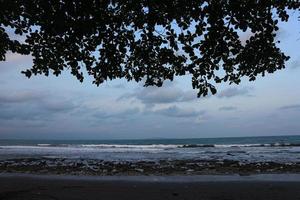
column 63, row 108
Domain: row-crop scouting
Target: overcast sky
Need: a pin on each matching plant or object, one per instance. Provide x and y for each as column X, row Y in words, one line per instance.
column 63, row 108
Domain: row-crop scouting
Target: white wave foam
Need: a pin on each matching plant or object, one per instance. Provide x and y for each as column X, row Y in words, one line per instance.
column 128, row 146
column 144, row 147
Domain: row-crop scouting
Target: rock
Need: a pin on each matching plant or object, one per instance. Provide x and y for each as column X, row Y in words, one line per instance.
column 139, row 170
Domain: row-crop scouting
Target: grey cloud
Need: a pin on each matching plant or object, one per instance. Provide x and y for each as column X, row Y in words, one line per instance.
column 290, row 107
column 228, row 108
column 116, row 86
column 189, row 95
column 22, row 114
column 160, row 95
column 245, row 36
column 32, row 106
column 13, row 59
column 231, row 92
column 20, row 97
column 295, row 64
column 121, row 114
column 59, row 106
column 2, row 82
column 174, row 111
column 22, row 124
column 119, row 86
column 282, row 33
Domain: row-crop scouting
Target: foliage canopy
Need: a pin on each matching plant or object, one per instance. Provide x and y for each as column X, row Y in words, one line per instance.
column 147, row 40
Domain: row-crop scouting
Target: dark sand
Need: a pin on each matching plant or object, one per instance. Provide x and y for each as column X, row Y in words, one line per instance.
column 265, row 187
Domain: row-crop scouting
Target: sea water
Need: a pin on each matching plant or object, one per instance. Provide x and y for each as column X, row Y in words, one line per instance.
column 280, row 149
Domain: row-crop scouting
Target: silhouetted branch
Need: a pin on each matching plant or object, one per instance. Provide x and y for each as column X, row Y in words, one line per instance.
column 123, row 39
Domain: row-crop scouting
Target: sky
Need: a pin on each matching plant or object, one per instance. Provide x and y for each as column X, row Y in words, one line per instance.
column 63, row 108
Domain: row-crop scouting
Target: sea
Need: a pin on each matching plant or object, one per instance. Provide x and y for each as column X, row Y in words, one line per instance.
column 280, row 149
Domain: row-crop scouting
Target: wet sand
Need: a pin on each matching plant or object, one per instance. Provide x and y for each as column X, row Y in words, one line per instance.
column 44, row 187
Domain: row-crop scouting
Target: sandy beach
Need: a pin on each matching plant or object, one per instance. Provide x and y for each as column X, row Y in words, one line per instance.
column 26, row 186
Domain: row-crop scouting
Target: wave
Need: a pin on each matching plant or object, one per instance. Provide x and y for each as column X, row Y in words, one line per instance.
column 151, row 146
column 113, row 146
column 128, row 146
column 240, row 145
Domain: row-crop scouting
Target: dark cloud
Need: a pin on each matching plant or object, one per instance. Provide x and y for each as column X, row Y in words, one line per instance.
column 174, row 111
column 228, row 108
column 32, row 105
column 23, row 114
column 232, row 92
column 290, row 107
column 59, row 106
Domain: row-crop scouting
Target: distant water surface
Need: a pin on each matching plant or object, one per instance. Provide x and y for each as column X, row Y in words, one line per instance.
column 245, row 149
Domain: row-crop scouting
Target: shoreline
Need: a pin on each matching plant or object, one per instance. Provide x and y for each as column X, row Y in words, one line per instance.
column 148, row 168
column 283, row 177
column 208, row 187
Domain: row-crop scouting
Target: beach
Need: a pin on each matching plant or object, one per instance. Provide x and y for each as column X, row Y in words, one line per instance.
column 223, row 168
column 161, row 157
column 44, row 187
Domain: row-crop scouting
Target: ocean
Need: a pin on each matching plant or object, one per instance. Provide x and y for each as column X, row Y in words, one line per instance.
column 279, row 149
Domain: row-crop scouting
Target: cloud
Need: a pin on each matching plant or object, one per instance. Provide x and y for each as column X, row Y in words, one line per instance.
column 232, row 92
column 33, row 105
column 20, row 97
column 22, row 114
column 290, row 107
column 14, row 57
column 228, row 108
column 116, row 86
column 174, row 111
column 244, row 36
column 201, row 119
column 59, row 106
column 120, row 114
column 282, row 33
column 161, row 95
column 15, row 62
column 295, row 64
column 189, row 95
